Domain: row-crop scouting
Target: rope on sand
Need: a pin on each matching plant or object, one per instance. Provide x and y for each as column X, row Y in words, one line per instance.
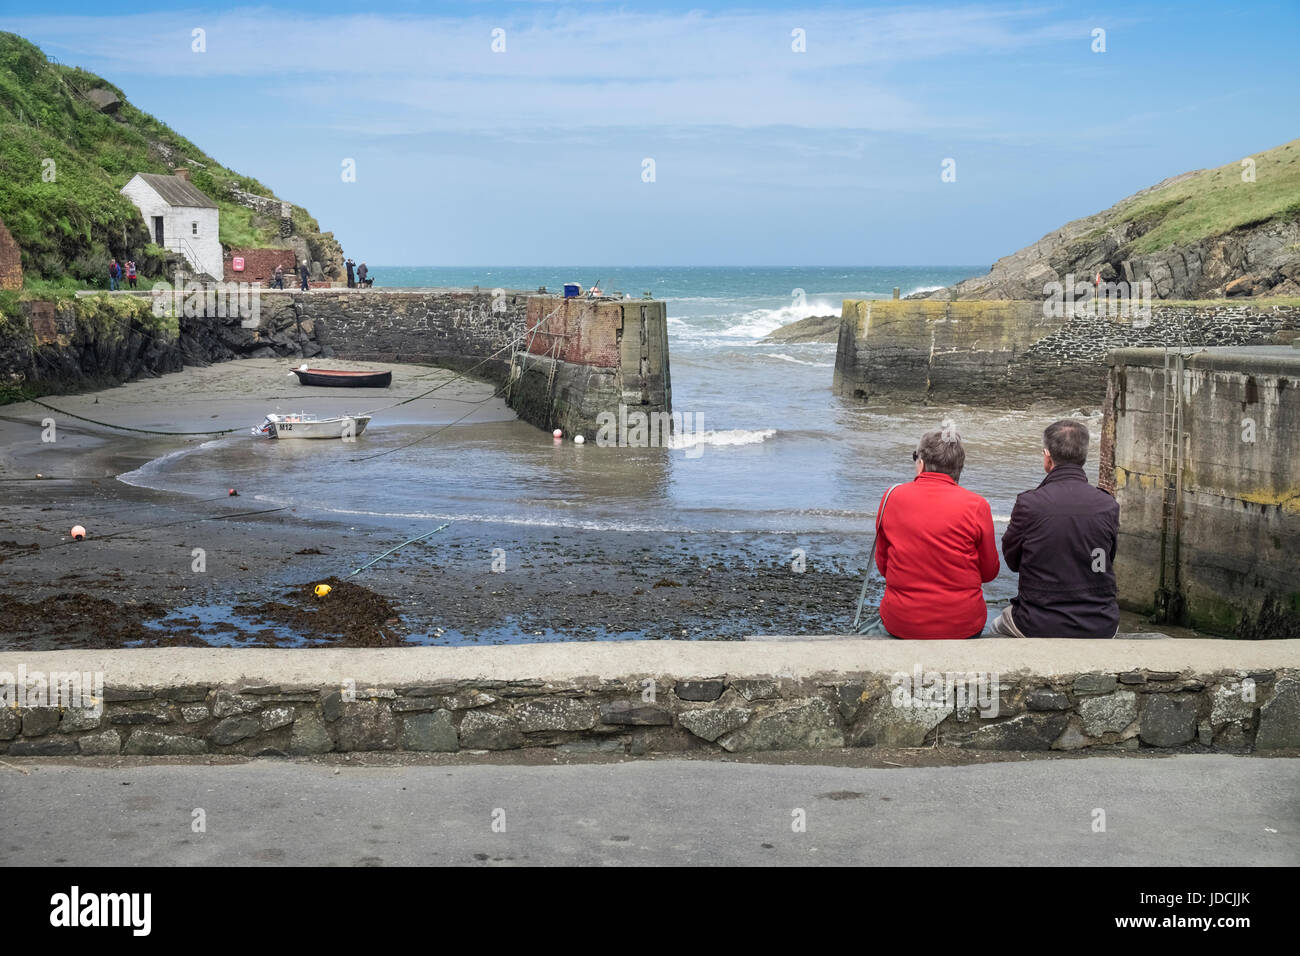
column 127, row 428
column 4, row 556
column 400, row 546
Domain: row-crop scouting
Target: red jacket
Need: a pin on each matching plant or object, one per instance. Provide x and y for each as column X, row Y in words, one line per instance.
column 935, row 546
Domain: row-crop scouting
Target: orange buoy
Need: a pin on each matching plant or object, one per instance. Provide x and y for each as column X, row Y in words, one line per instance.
column 233, row 493
column 78, row 532
column 558, row 433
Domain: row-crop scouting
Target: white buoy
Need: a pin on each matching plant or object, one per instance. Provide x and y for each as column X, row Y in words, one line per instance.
column 578, row 440
column 557, row 433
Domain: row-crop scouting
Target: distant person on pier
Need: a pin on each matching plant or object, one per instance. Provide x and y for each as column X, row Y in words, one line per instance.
column 352, row 281
column 361, row 273
column 130, row 273
column 114, row 272
column 304, row 272
column 935, row 547
column 277, row 277
column 1062, row 538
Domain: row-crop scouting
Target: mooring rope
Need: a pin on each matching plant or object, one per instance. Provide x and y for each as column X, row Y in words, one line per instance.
column 400, row 546
column 127, row 428
column 469, row 371
column 434, row 434
column 497, row 392
column 117, row 534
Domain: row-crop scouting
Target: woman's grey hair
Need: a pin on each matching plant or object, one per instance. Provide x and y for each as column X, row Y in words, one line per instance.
column 942, row 452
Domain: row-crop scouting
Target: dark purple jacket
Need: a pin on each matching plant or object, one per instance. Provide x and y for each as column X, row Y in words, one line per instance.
column 1059, row 533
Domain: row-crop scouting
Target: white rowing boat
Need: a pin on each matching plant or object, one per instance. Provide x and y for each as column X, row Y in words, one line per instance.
column 303, row 425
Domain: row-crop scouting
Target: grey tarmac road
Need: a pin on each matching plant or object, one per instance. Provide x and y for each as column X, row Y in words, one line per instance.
column 1190, row 810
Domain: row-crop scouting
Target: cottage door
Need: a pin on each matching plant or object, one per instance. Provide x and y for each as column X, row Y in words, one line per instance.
column 158, row 230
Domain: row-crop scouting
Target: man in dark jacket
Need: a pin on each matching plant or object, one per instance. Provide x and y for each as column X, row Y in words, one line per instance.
column 1061, row 539
column 305, row 273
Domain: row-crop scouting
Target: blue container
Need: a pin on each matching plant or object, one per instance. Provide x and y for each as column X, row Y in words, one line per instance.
column 572, row 290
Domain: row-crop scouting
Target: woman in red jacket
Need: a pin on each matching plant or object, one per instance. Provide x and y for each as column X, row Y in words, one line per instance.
column 935, row 547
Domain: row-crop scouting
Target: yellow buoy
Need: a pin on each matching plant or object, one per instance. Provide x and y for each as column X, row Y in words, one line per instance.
column 322, row 590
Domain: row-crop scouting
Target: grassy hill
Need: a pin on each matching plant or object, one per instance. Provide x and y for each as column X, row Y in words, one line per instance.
column 1201, row 234
column 68, row 228
column 1214, row 202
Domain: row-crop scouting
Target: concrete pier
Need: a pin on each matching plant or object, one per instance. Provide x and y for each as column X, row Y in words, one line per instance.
column 584, row 357
column 1202, row 450
column 1015, row 353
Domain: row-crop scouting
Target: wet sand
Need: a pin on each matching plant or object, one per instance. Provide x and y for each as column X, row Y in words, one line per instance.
column 138, row 564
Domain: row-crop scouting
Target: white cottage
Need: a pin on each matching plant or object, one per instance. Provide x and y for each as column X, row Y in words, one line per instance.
column 179, row 217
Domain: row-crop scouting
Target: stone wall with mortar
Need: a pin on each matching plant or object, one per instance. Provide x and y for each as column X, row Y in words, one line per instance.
column 584, row 357
column 1237, row 710
column 1238, row 543
column 1009, row 353
column 458, row 328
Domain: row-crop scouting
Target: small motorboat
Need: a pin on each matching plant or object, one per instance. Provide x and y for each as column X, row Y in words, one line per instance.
column 340, row 378
column 303, row 425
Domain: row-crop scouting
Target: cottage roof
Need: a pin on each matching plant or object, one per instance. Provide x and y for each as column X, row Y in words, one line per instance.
column 176, row 191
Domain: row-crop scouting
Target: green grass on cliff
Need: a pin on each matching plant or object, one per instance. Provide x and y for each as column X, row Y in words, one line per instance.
column 70, row 227
column 1217, row 201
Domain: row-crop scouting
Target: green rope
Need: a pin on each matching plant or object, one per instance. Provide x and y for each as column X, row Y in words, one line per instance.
column 399, row 547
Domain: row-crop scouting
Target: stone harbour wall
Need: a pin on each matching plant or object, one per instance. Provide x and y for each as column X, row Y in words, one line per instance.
column 1238, row 710
column 457, row 328
column 606, row 352
column 584, row 357
column 1233, row 554
column 1007, row 352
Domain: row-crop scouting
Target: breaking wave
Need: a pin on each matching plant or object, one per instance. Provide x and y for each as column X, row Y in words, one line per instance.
column 733, row 436
column 790, row 358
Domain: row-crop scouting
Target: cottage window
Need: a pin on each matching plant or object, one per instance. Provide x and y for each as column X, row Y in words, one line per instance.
column 194, row 229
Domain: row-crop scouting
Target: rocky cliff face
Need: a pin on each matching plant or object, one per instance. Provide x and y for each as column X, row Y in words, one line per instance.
column 61, row 347
column 1226, row 257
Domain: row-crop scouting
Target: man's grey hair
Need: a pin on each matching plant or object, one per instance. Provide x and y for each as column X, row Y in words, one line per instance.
column 1067, row 441
column 942, row 452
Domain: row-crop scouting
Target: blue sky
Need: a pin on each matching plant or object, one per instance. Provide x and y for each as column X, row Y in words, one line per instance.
column 762, row 155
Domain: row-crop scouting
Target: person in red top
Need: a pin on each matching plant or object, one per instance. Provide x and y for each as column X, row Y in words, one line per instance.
column 935, row 547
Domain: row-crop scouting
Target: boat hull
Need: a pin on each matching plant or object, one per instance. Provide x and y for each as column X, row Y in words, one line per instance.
column 330, row 378
column 334, row 428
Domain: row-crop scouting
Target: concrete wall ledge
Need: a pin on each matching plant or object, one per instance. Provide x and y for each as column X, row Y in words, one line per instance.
column 641, row 697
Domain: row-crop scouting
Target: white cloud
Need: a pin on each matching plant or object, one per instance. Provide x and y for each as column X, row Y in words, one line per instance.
column 569, row 68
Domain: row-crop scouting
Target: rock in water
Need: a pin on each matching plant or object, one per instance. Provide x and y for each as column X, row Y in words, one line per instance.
column 818, row 328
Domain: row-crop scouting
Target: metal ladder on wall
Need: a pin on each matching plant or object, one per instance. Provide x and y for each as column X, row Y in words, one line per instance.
column 1170, row 603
